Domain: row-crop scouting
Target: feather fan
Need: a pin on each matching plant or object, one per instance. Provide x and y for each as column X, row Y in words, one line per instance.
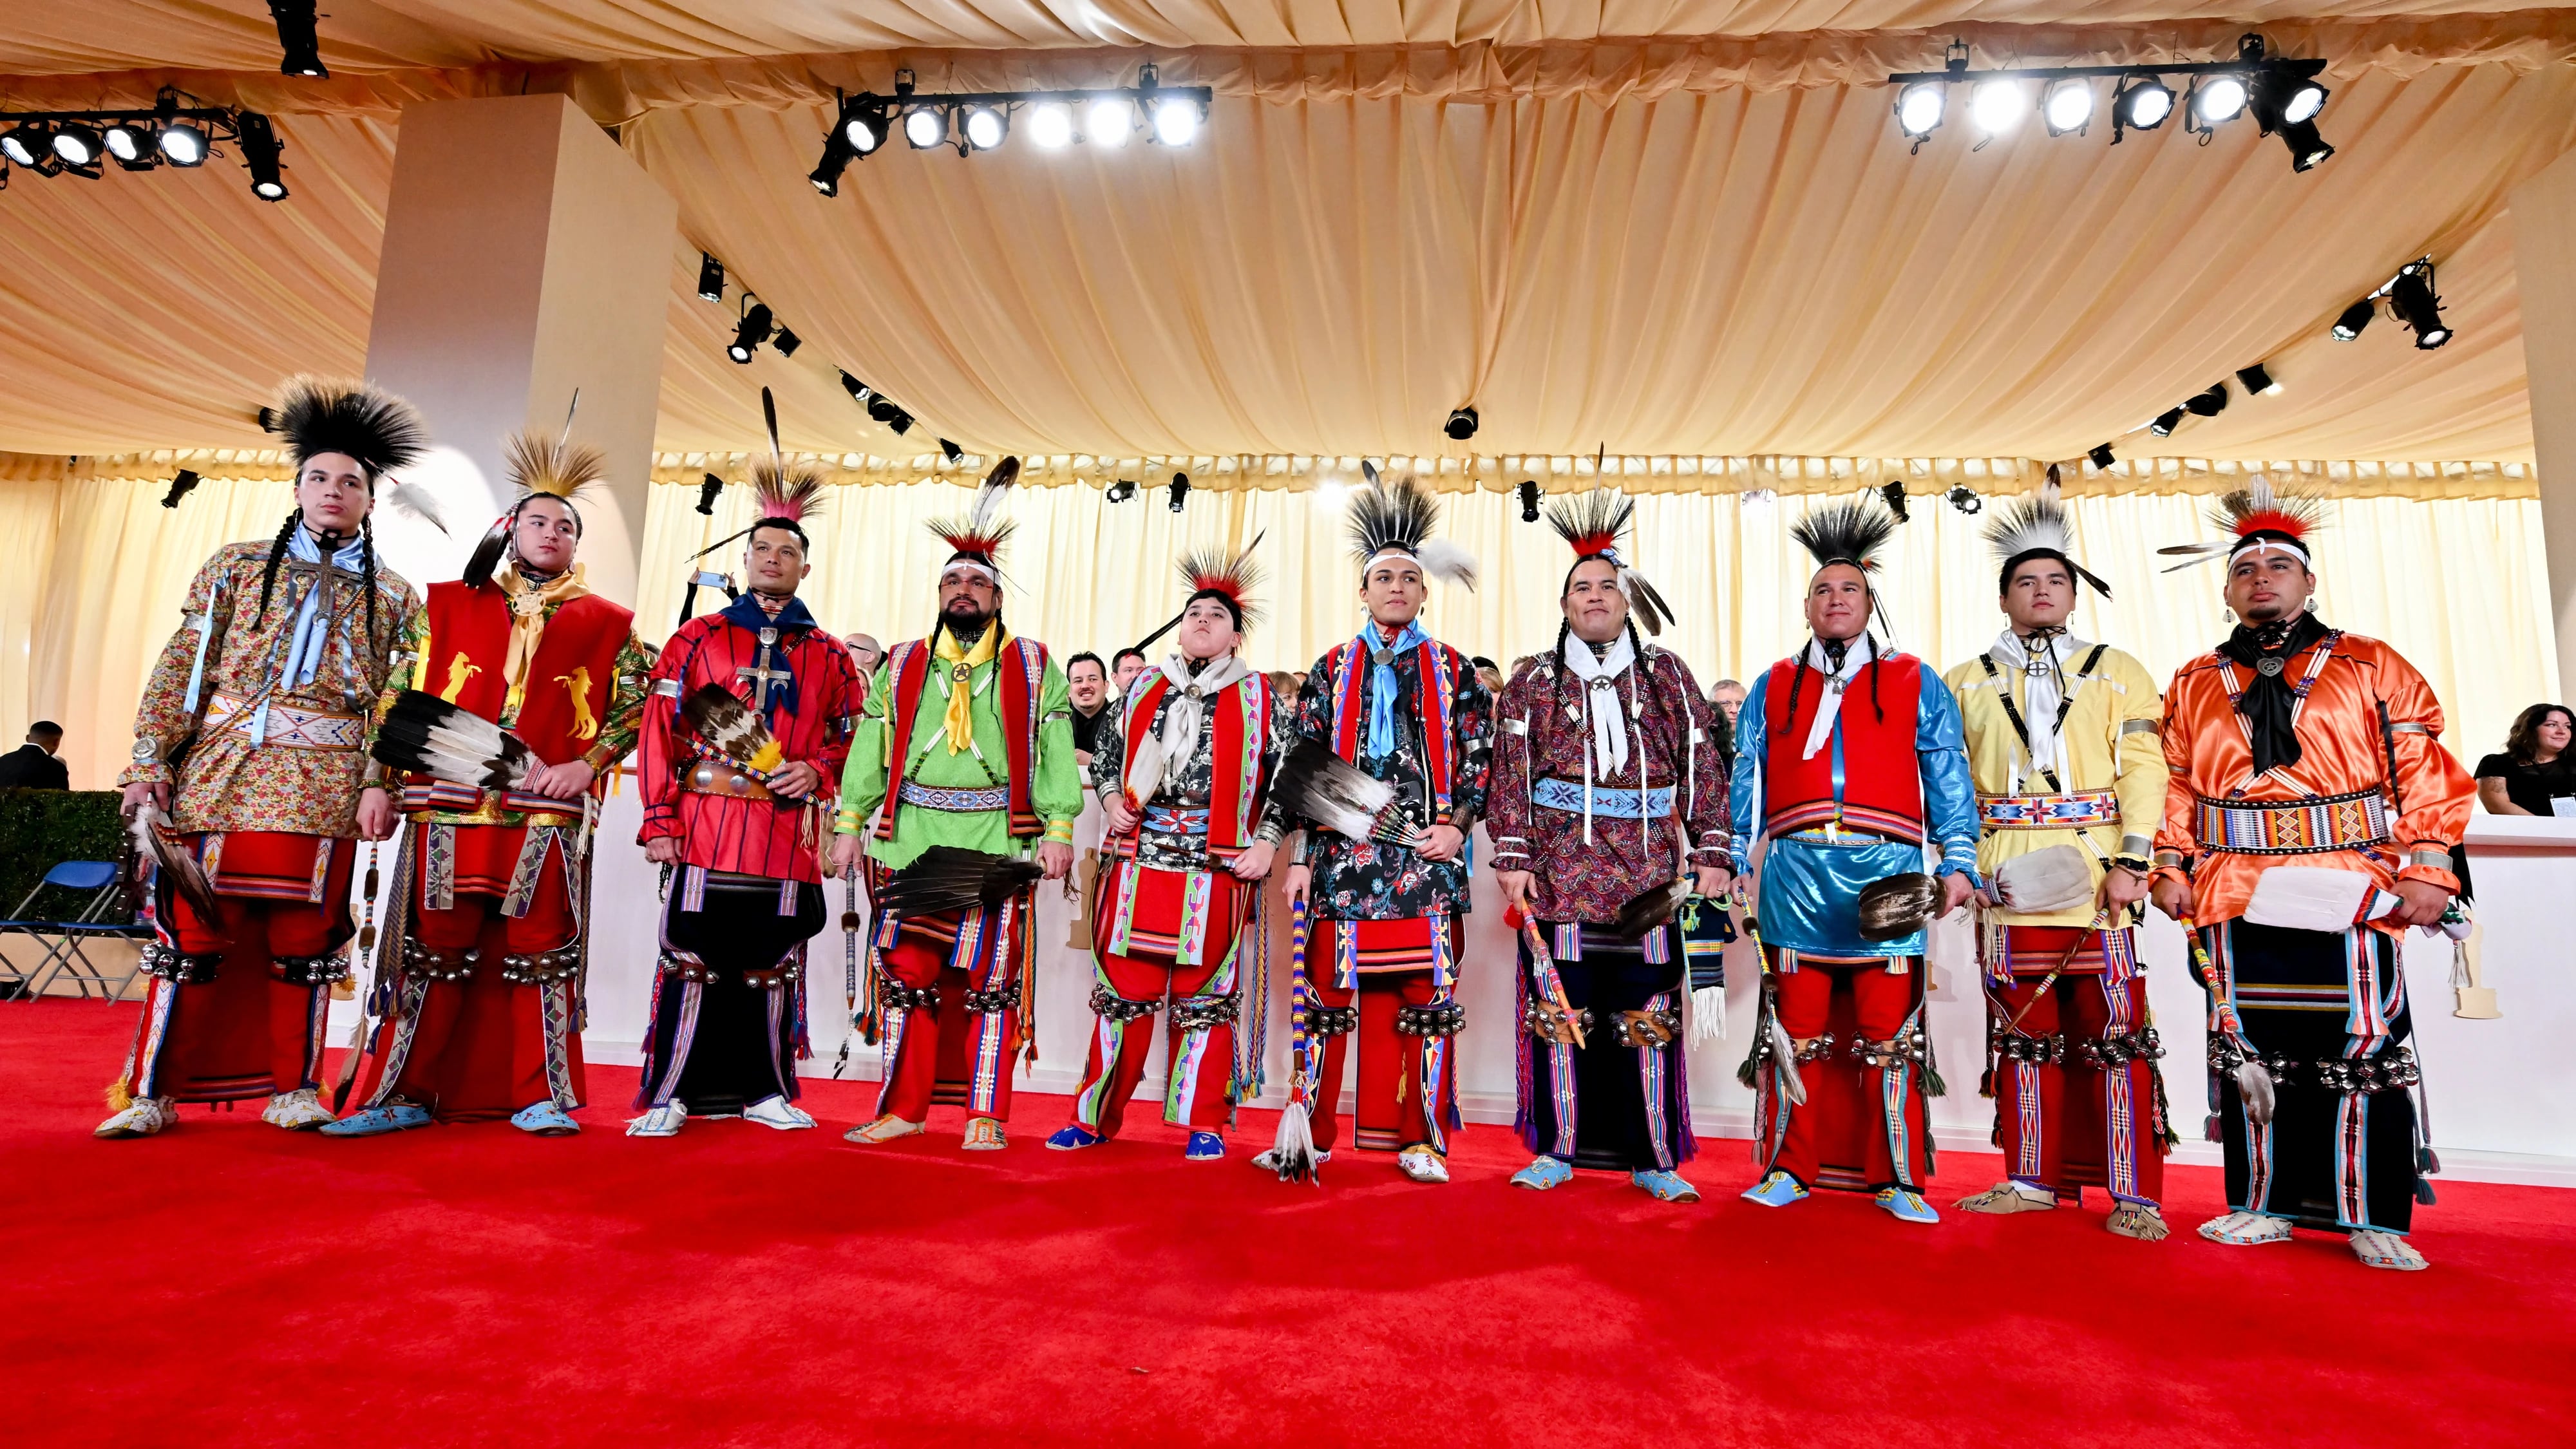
column 731, row 729
column 949, row 879
column 1316, row 784
column 1650, row 908
column 426, row 735
column 155, row 841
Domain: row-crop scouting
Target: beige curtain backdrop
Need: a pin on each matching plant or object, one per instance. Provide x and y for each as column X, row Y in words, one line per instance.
column 2458, row 585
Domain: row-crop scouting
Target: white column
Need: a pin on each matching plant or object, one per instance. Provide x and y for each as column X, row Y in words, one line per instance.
column 525, row 256
column 2544, row 254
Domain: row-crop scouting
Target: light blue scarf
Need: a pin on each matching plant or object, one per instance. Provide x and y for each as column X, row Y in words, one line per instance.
column 312, row 632
column 1383, row 687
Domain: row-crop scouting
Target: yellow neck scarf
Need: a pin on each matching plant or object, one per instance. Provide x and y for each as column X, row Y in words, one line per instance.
column 528, row 605
column 962, row 664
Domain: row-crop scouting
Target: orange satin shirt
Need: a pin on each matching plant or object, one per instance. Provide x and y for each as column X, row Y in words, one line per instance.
column 2343, row 751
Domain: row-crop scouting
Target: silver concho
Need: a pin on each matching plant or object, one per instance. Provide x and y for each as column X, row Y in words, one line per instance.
column 2268, row 666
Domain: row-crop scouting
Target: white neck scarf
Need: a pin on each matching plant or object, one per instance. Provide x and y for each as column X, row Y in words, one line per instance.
column 1609, row 750
column 2043, row 688
column 1185, row 705
column 1829, row 707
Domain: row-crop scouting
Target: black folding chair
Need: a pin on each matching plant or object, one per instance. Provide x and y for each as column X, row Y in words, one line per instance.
column 88, row 894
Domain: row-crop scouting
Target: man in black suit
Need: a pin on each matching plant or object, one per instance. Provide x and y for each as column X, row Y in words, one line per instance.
column 34, row 765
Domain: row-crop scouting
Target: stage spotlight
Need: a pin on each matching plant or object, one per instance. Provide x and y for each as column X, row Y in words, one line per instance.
column 1051, row 124
column 985, row 127
column 753, row 330
column 708, row 493
column 2412, row 301
column 710, row 278
column 2216, row 100
column 925, row 127
column 1919, row 107
column 837, row 156
column 950, row 450
column 1180, row 491
column 863, row 125
column 1965, row 499
column 2102, row 455
column 28, row 145
column 2142, row 104
column 1121, row 491
column 78, row 145
column 183, row 143
column 2166, row 422
column 260, row 149
column 2069, row 107
column 1996, row 106
column 1893, row 495
column 130, row 142
column 1177, row 120
column 1108, row 120
column 2209, row 404
column 2307, row 148
column 2256, row 380
column 180, row 487
column 900, row 423
column 1529, row 500
column 787, row 342
column 296, row 37
column 857, row 390
column 2354, row 318
column 881, row 407
column 1461, row 424
column 2306, row 98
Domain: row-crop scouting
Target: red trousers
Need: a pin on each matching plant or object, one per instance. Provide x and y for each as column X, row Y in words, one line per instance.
column 2070, row 1113
column 963, row 958
column 1860, row 1121
column 252, row 1024
column 485, row 1046
column 1408, row 1088
column 1201, row 1058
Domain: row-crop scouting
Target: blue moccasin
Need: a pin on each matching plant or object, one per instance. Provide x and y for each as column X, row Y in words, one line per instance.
column 372, row 1121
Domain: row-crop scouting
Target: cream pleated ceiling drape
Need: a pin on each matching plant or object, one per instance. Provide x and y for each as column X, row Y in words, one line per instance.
column 1601, row 238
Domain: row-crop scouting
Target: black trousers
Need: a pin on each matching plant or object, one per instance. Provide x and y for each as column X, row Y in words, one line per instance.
column 728, row 1019
column 1630, row 1106
column 2332, row 1157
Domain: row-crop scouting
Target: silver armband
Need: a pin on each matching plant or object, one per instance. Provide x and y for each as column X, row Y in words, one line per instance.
column 2140, row 727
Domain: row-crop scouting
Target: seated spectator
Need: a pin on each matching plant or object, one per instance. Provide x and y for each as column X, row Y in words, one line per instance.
column 865, row 652
column 1086, row 681
column 2534, row 769
column 35, row 765
column 1125, row 665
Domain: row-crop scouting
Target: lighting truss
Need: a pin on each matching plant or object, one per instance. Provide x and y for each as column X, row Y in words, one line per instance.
column 2281, row 94
column 85, row 143
column 971, row 121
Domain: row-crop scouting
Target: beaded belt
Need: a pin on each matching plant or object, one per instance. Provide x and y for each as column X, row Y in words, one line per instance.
column 2292, row 827
column 1165, row 820
column 957, row 802
column 721, row 777
column 1619, row 804
column 2048, row 812
column 289, row 726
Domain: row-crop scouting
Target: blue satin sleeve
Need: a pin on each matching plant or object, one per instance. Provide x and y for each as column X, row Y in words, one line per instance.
column 1744, row 790
column 1949, row 791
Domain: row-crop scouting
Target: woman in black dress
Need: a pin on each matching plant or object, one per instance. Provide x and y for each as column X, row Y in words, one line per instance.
column 2534, row 767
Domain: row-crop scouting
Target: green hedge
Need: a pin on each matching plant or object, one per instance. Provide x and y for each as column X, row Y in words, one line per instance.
column 40, row 829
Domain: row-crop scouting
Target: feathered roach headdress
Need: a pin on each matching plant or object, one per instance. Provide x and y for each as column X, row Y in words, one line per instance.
column 788, row 494
column 1227, row 577
column 2256, row 518
column 1853, row 532
column 1591, row 525
column 2037, row 527
column 558, row 469
column 976, row 538
column 322, row 415
column 1398, row 518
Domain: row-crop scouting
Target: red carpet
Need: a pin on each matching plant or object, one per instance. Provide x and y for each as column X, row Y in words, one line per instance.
column 231, row 1284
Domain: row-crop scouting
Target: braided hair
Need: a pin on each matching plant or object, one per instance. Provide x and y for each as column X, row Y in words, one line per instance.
column 367, row 570
column 276, row 556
